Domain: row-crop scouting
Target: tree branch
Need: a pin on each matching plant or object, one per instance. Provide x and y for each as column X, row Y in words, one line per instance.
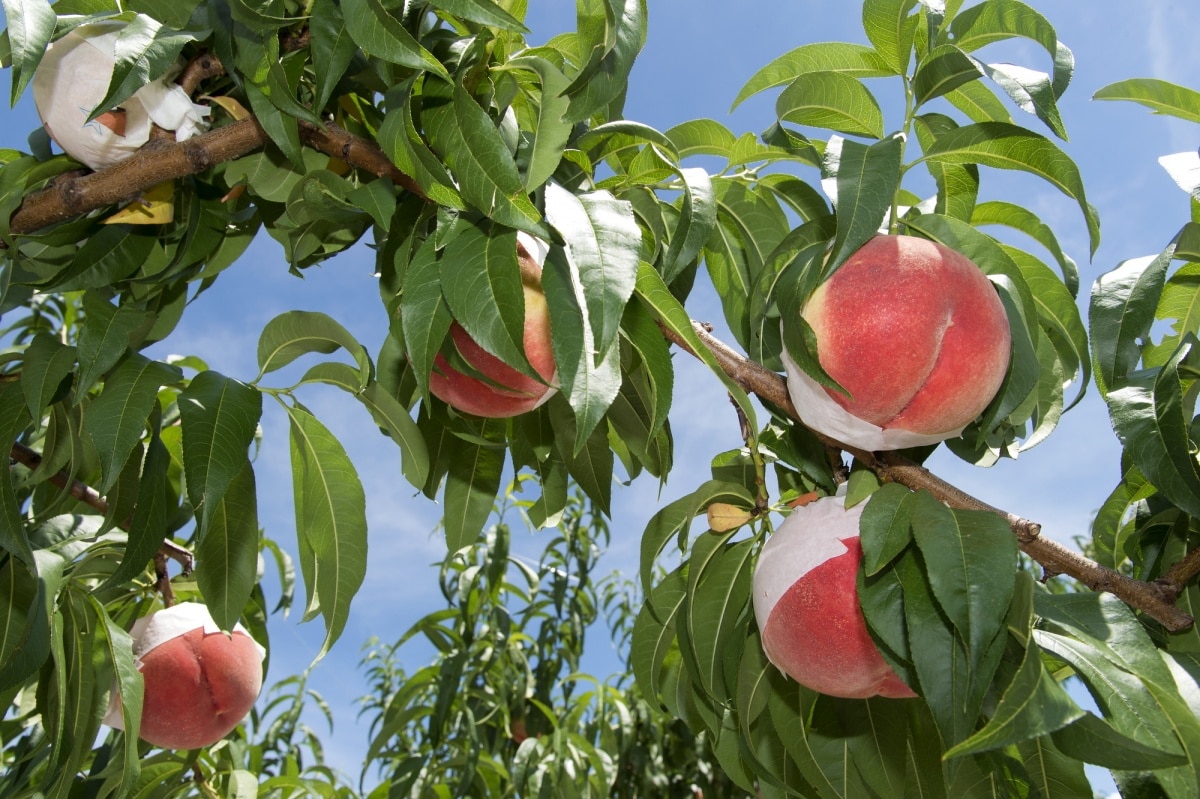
column 1156, row 599
column 160, row 160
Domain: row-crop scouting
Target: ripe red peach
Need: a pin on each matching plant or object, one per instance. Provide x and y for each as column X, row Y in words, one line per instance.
column 806, row 605
column 917, row 335
column 503, row 391
column 199, row 682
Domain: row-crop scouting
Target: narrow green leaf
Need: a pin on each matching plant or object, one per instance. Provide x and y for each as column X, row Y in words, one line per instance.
column 653, row 292
column 1004, row 146
column 885, row 526
column 485, row 12
column 14, row 417
column 958, row 184
column 34, row 643
column 1121, row 314
column 544, row 151
column 118, row 650
column 603, row 80
column 482, row 285
column 472, row 484
column 653, row 636
column 424, row 315
column 1179, row 301
column 1031, row 90
column 227, row 549
column 589, row 459
column 330, row 519
column 603, row 244
column 149, row 521
column 833, row 101
column 219, row 417
column 997, row 20
column 46, row 363
column 1152, row 422
column 1160, row 96
column 855, row 60
column 697, row 220
column 867, row 178
column 332, row 46
column 116, row 420
column 1091, row 739
column 979, row 103
column 590, row 379
column 999, row 212
column 718, row 595
column 972, row 561
column 30, row 28
column 381, row 35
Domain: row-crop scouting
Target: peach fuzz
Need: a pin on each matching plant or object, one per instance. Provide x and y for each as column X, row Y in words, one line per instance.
column 505, row 392
column 806, row 605
column 916, row 333
column 199, row 682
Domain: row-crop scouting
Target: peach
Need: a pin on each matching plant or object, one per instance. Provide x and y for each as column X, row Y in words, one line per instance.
column 199, row 682
column 917, row 335
column 503, row 391
column 806, row 605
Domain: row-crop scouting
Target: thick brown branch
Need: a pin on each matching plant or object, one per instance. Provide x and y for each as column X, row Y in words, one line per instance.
column 1154, row 599
column 74, row 195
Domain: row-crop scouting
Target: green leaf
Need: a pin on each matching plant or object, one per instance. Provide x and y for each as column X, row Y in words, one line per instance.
column 145, row 52
column 332, row 47
column 484, row 12
column 590, row 378
column 149, row 522
column 404, row 145
column 972, row 561
column 891, row 28
column 942, row 71
column 381, row 35
column 472, row 483
column 979, row 103
column 603, row 79
column 1032, row 705
column 833, row 101
column 653, row 292
column 30, row 28
column 855, row 60
column 482, row 285
column 718, row 595
column 653, row 636
column 885, row 525
column 1160, row 96
column 46, row 363
column 589, row 460
column 1091, row 739
column 1180, row 301
column 219, row 417
column 1121, row 314
column 227, row 549
column 116, row 420
column 655, row 352
column 701, row 137
column 958, row 184
column 487, row 175
column 999, row 212
column 697, row 220
column 118, row 650
column 1152, row 422
column 13, row 419
column 603, row 245
column 867, row 179
column 424, row 315
column 331, row 520
column 34, row 643
column 294, row 333
column 675, row 519
column 996, row 20
column 1005, row 146
column 544, row 150
column 1031, row 91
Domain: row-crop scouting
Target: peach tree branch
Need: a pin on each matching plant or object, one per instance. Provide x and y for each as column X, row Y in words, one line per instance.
column 1155, row 599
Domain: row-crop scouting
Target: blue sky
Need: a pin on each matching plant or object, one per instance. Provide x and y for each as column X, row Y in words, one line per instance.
column 698, row 55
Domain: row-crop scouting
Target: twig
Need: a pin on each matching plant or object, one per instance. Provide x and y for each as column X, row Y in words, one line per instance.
column 1156, row 599
column 84, row 493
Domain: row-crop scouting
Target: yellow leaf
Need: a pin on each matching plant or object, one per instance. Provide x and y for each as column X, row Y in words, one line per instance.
column 723, row 517
column 230, row 106
column 155, row 207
